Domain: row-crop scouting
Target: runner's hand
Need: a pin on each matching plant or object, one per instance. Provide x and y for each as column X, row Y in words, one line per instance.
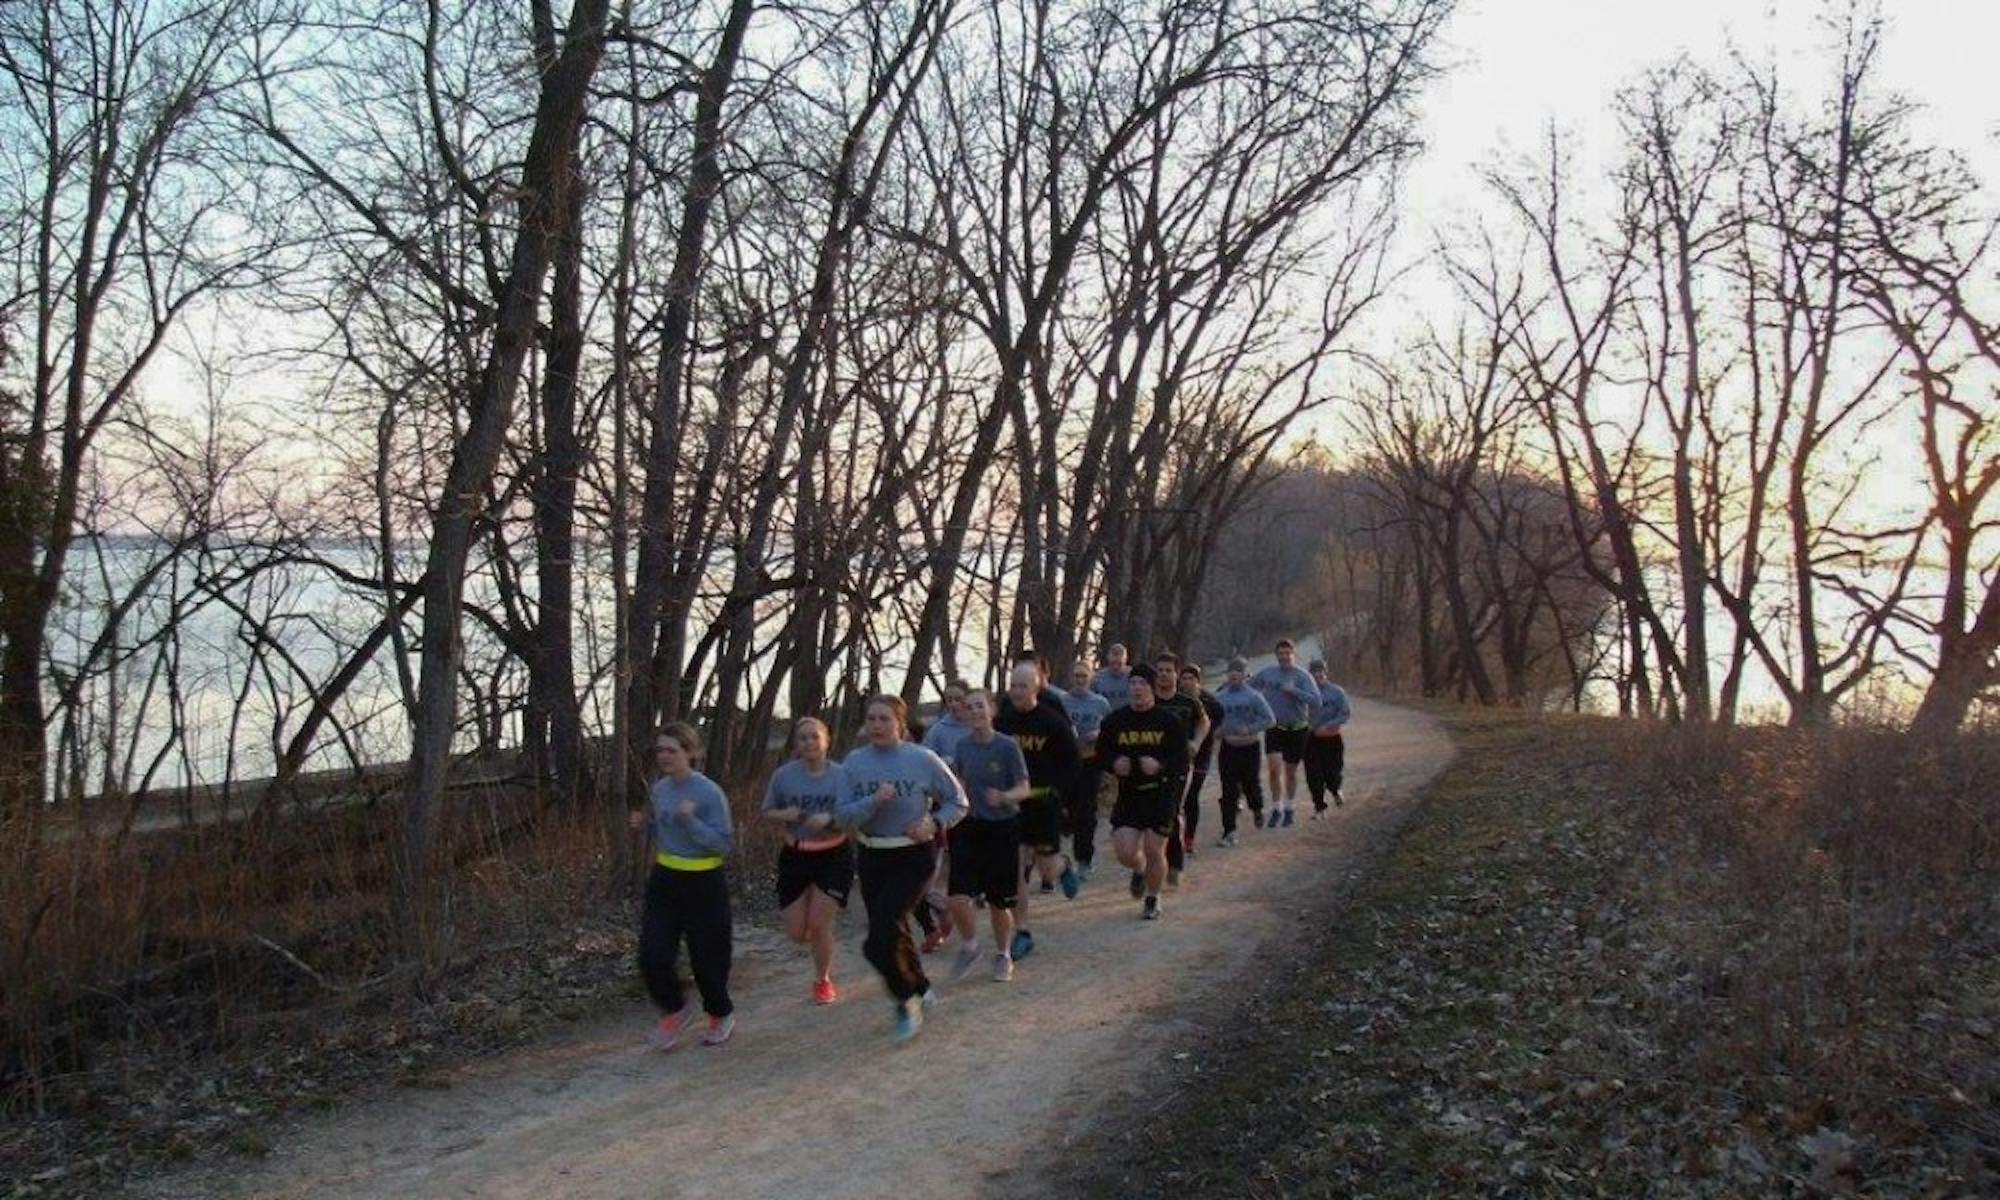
column 819, row 820
column 1122, row 766
column 1149, row 765
column 785, row 814
column 686, row 810
column 923, row 829
column 884, row 792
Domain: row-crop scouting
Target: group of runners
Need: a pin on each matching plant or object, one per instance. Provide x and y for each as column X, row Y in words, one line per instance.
column 973, row 816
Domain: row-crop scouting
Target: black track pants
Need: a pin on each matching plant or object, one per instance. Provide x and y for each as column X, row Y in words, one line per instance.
column 693, row 905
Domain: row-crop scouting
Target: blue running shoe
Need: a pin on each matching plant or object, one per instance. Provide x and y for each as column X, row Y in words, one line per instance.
column 1022, row 946
column 1072, row 883
column 909, row 1019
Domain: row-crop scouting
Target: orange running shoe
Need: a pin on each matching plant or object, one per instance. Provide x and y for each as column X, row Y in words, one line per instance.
column 667, row 1034
column 824, row 992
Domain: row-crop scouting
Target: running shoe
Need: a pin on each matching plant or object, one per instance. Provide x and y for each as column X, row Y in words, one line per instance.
column 1023, row 945
column 824, row 992
column 1173, row 877
column 719, row 1029
column 928, row 998
column 1152, row 909
column 1083, row 870
column 1138, row 885
column 1319, row 813
column 1339, row 798
column 667, row 1034
column 1257, row 815
column 1291, row 816
column 968, row 957
column 1227, row 839
column 909, row 1019
column 1047, row 887
column 1003, row 969
column 936, row 937
column 1072, row 882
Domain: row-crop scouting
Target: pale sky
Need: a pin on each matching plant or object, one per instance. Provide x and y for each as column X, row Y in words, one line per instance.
column 1521, row 63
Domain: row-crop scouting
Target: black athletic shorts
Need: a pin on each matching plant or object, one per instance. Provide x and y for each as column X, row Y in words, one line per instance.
column 1041, row 823
column 986, row 860
column 1154, row 811
column 1288, row 741
column 830, row 870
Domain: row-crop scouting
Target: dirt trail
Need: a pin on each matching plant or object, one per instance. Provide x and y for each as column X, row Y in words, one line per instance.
column 818, row 1103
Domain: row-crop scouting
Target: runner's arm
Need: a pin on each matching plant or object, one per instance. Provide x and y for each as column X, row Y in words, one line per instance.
column 712, row 829
column 949, row 794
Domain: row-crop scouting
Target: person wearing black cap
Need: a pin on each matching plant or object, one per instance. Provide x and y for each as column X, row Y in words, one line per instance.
column 1245, row 717
column 1144, row 747
column 1326, row 749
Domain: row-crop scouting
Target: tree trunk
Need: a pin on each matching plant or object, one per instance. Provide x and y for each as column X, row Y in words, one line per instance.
column 659, row 529
column 547, row 190
column 552, row 669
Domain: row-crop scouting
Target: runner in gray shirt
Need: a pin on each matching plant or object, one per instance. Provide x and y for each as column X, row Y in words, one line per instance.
column 1291, row 693
column 986, row 846
column 816, row 864
column 1245, row 717
column 1113, row 681
column 891, row 787
column 1087, row 710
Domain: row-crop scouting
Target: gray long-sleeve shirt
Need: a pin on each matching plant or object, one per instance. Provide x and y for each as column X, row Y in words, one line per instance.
column 1290, row 708
column 1333, row 708
column 704, row 833
column 1115, row 687
column 1245, row 712
column 944, row 735
column 1087, row 711
column 918, row 777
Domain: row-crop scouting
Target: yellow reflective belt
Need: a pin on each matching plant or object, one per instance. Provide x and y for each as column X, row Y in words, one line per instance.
column 674, row 862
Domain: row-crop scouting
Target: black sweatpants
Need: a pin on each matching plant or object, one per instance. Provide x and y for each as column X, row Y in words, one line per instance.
column 1197, row 780
column 1326, row 767
column 1083, row 814
column 1176, row 848
column 893, row 882
column 692, row 905
column 1242, row 771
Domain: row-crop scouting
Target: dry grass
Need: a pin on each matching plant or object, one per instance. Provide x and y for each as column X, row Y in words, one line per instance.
column 1832, row 896
column 1616, row 959
column 169, row 992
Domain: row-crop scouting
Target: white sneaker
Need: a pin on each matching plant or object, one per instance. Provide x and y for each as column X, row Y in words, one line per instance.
column 968, row 957
column 1003, row 968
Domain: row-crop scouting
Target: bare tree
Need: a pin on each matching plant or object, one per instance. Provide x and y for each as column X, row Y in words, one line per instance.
column 130, row 211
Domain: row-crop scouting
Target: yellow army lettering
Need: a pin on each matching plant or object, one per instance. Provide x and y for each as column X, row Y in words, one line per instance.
column 1142, row 737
